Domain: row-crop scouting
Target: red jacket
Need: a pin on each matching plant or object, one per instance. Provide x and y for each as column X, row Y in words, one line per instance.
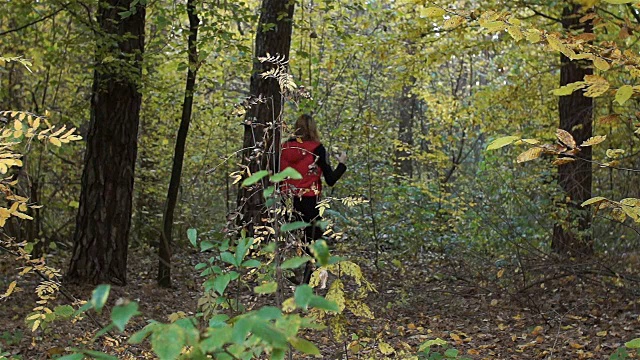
column 300, row 156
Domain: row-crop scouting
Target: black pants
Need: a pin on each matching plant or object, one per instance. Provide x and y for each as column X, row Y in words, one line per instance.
column 305, row 210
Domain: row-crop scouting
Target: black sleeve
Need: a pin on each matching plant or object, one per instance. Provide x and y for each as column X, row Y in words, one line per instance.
column 330, row 176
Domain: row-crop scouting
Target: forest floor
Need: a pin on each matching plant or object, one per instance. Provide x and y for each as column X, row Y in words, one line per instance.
column 563, row 317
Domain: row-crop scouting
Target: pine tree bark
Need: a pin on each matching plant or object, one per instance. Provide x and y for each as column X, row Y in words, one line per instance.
column 104, row 216
column 263, row 120
column 571, row 235
column 164, row 251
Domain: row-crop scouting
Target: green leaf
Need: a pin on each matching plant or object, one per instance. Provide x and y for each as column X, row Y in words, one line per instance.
column 268, row 191
column 120, row 315
column 221, row 282
column 266, row 288
column 64, row 311
column 429, row 343
column 286, row 173
column 218, row 321
column 303, row 295
column 624, row 93
column 270, row 334
column 191, row 333
column 321, row 252
column 72, row 357
column 206, row 245
column 304, row 346
column 620, row 1
column 217, row 338
column 319, row 302
column 99, row 296
column 501, row 142
column 269, row 313
column 228, row 258
column 241, row 329
column 255, row 178
column 104, row 330
column 251, row 263
column 633, row 344
column 167, row 341
column 593, row 200
column 295, row 262
column 294, row 226
column 192, row 235
column 139, row 336
column 242, row 248
column 451, row 353
column 99, row 355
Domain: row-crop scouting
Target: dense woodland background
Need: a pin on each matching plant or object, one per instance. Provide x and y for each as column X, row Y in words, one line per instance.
column 467, row 232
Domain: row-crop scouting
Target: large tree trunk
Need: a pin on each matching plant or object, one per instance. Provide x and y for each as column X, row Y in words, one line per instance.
column 104, row 215
column 263, row 120
column 164, row 267
column 571, row 235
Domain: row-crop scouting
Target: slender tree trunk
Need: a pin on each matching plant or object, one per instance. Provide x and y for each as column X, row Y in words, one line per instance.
column 262, row 121
column 164, row 266
column 408, row 105
column 104, row 217
column 571, row 235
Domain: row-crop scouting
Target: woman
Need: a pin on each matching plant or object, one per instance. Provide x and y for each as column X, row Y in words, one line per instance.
column 308, row 156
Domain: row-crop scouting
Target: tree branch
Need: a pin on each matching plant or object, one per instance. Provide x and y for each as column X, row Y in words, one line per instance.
column 634, row 13
column 34, row 21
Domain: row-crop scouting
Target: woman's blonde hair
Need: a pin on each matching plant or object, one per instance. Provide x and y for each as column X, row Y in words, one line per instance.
column 307, row 129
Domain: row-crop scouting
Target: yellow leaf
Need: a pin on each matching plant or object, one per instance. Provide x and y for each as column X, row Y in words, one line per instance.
column 601, row 64
column 614, row 153
column 594, row 140
column 431, row 12
column 500, row 142
column 34, row 316
column 624, row 93
column 618, row 215
column 601, row 333
column 575, row 345
column 566, row 138
column 21, row 215
column 500, row 273
column 533, row 36
column 569, row 88
column 385, row 348
column 563, row 160
column 494, row 25
column 12, row 287
column 455, row 338
column 597, row 85
column 453, row 22
column 55, row 141
column 530, row 154
column 35, row 325
column 515, row 33
column 537, row 330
